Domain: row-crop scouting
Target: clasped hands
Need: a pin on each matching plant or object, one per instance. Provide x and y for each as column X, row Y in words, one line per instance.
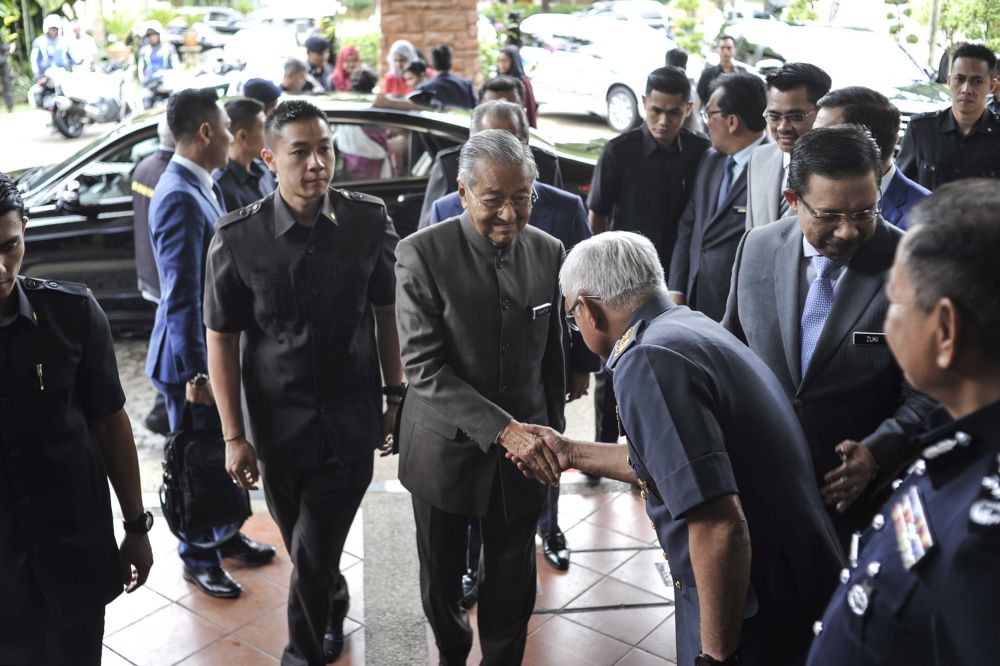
column 539, row 452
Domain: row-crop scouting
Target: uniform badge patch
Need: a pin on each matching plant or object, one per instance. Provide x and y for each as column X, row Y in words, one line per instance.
column 623, row 342
column 985, row 513
column 913, row 534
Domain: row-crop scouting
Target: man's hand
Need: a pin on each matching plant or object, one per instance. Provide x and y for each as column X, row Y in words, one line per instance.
column 135, row 558
column 199, row 395
column 241, row 463
column 843, row 485
column 388, row 426
column 522, row 443
column 553, row 440
column 579, row 382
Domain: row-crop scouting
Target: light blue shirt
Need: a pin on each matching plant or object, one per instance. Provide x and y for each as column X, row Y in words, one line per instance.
column 742, row 157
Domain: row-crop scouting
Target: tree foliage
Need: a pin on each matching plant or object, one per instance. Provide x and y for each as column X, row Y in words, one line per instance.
column 686, row 26
column 799, row 11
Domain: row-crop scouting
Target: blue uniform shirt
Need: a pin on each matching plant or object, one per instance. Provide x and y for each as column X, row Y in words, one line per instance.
column 926, row 583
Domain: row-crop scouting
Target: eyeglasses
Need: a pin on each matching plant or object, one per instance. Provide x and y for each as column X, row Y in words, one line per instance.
column 494, row 203
column 793, row 117
column 706, row 115
column 860, row 217
column 570, row 317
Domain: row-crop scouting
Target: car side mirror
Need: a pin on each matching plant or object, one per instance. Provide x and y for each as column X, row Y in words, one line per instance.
column 69, row 197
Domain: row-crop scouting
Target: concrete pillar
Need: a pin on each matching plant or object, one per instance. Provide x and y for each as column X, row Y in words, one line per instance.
column 428, row 23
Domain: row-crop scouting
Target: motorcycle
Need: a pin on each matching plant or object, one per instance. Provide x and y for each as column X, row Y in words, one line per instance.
column 85, row 97
column 44, row 91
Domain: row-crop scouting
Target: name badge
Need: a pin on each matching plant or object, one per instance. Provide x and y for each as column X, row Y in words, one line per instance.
column 913, row 534
column 740, row 210
column 541, row 311
column 863, row 339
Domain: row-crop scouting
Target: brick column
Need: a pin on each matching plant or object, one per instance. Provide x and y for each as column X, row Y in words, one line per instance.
column 428, row 23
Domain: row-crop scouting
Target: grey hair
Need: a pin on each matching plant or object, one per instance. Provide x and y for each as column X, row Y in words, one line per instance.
column 295, row 66
column 501, row 110
column 496, row 147
column 619, row 267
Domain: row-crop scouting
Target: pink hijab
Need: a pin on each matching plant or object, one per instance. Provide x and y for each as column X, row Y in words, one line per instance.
column 340, row 79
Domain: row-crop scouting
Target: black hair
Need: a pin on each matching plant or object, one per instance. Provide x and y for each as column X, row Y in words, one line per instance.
column 744, row 95
column 676, row 57
column 516, row 68
column 670, row 81
column 944, row 254
column 363, row 79
column 10, row 198
column 723, row 37
column 501, row 84
column 843, row 151
column 801, row 74
column 442, row 58
column 243, row 112
column 417, row 68
column 292, row 111
column 864, row 106
column 977, row 51
column 187, row 110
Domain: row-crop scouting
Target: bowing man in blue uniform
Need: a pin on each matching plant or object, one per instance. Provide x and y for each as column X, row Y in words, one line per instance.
column 924, row 584
column 715, row 446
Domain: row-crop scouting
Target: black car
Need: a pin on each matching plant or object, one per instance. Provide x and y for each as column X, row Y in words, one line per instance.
column 80, row 211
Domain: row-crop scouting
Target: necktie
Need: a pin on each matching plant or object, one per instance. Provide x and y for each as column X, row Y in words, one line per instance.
column 819, row 300
column 782, row 202
column 218, row 197
column 727, row 183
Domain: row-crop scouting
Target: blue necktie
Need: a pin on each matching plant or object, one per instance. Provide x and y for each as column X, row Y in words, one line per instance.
column 727, row 182
column 218, row 197
column 819, row 300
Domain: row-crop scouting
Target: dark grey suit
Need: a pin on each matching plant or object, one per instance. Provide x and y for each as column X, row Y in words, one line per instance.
column 765, row 174
column 851, row 390
column 707, row 238
column 481, row 340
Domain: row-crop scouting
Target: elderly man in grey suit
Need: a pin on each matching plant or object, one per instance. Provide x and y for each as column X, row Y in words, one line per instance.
column 808, row 297
column 481, row 337
column 792, row 94
column 713, row 222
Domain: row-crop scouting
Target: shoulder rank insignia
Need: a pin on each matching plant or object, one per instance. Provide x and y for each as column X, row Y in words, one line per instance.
column 984, row 514
column 627, row 340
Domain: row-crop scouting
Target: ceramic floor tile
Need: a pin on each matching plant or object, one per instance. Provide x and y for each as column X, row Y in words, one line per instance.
column 629, row 625
column 586, row 536
column 602, row 561
column 261, row 527
column 582, row 505
column 167, row 576
column 625, row 514
column 109, row 658
column 165, row 637
column 354, row 650
column 278, row 570
column 229, row 650
column 560, row 641
column 558, row 588
column 662, row 641
column 132, row 607
column 269, row 632
column 639, row 657
column 355, row 577
column 259, row 597
column 611, row 592
column 648, row 571
column 536, row 622
column 355, row 544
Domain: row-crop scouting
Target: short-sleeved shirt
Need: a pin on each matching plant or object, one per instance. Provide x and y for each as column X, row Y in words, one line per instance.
column 302, row 298
column 934, row 151
column 645, row 187
column 241, row 186
column 58, row 558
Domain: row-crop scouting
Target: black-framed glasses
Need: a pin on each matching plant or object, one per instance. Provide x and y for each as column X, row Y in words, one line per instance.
column 706, row 114
column 496, row 203
column 794, row 117
column 570, row 317
column 831, row 217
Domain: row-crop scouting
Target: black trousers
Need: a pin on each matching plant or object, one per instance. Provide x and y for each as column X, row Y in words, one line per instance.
column 507, row 581
column 314, row 508
column 605, row 408
column 79, row 644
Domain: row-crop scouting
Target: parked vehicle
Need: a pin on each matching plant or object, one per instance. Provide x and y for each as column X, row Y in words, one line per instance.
column 219, row 76
column 90, row 96
column 650, row 12
column 221, row 19
column 81, row 210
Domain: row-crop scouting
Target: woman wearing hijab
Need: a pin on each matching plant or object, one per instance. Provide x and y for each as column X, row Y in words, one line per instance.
column 347, row 62
column 401, row 54
column 509, row 64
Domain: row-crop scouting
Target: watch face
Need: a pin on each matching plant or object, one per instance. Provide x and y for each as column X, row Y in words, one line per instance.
column 148, row 520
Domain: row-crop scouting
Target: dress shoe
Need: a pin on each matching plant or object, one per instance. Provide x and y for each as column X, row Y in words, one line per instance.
column 470, row 590
column 246, row 550
column 333, row 637
column 214, row 581
column 156, row 421
column 555, row 550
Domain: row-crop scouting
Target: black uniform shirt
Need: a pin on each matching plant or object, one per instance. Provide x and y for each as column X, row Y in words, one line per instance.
column 934, row 151
column 645, row 186
column 302, row 297
column 58, row 559
column 240, row 186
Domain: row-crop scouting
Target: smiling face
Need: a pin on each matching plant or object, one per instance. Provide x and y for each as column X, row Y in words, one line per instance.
column 301, row 156
column 665, row 115
column 495, row 183
column 11, row 253
column 795, row 101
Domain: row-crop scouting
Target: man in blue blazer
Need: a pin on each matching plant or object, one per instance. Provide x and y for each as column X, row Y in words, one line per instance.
column 182, row 215
column 857, row 105
column 448, row 89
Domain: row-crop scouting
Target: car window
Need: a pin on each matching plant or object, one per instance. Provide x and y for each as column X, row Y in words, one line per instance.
column 110, row 177
column 378, row 152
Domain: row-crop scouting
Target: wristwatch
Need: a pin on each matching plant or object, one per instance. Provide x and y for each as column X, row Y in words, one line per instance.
column 707, row 660
column 140, row 525
column 199, row 380
column 398, row 390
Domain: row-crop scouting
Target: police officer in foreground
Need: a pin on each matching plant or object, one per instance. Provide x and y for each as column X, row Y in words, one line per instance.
column 718, row 452
column 962, row 141
column 63, row 435
column 924, row 587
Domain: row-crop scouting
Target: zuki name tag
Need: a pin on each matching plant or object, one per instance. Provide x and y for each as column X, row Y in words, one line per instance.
column 541, row 311
column 863, row 339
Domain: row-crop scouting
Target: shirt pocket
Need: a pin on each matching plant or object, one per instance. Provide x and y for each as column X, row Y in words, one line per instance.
column 274, row 296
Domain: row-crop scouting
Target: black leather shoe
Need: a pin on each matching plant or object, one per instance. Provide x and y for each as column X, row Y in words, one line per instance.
column 555, row 549
column 333, row 638
column 214, row 581
column 156, row 421
column 244, row 549
column 470, row 590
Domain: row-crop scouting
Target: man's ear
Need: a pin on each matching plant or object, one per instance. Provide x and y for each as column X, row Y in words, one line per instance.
column 593, row 314
column 268, row 158
column 948, row 325
column 205, row 132
column 463, row 194
column 24, row 223
column 791, row 197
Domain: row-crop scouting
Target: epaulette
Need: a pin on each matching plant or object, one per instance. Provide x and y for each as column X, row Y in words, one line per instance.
column 626, row 342
column 40, row 284
column 240, row 213
column 359, row 197
column 929, row 114
column 984, row 514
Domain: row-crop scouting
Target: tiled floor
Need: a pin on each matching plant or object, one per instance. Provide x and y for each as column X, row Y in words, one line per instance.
column 611, row 608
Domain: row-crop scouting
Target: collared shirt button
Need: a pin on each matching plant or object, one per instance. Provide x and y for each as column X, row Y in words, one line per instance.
column 506, row 348
column 677, row 584
column 503, row 389
column 501, row 263
column 311, row 249
column 506, row 304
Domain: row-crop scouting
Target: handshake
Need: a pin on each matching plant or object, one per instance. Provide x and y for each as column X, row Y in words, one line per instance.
column 539, row 452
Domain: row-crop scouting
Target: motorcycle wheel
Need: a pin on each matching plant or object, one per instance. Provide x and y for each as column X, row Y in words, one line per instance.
column 69, row 124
